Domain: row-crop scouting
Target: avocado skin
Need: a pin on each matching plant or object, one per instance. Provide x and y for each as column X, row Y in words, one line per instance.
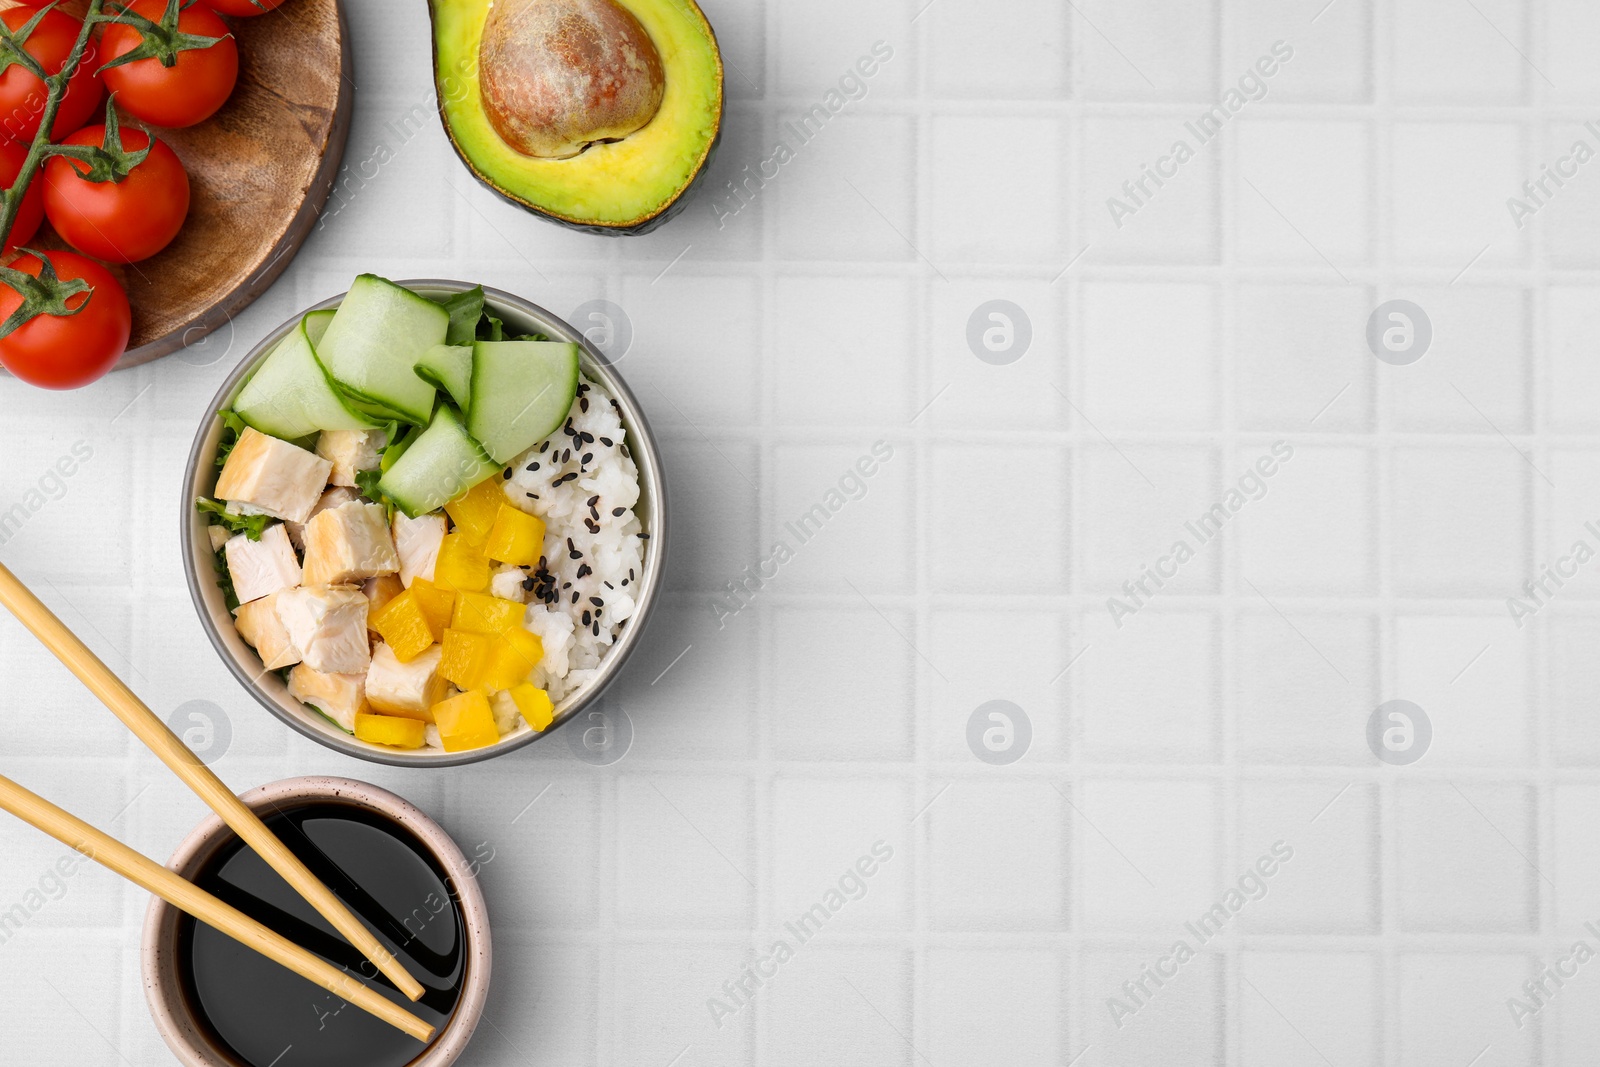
column 663, row 214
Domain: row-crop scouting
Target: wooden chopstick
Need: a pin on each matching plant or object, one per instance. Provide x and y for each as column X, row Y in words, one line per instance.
column 138, row 717
column 191, row 899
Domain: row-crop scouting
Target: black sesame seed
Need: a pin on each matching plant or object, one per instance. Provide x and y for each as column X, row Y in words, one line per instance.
column 624, row 581
column 584, row 570
column 588, row 438
column 597, row 602
column 528, row 584
column 586, row 618
column 544, row 448
column 617, row 512
column 607, row 441
column 533, row 466
column 588, row 458
column 531, row 496
column 583, row 404
column 594, row 500
column 608, row 585
column 506, row 474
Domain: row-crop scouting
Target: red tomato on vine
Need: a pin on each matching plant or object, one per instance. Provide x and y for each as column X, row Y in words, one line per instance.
column 242, row 8
column 79, row 325
column 118, row 197
column 29, row 215
column 48, row 37
column 169, row 65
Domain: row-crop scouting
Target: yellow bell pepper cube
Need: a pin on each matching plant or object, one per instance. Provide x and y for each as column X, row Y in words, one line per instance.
column 405, row 626
column 474, row 511
column 516, row 537
column 380, row 591
column 437, row 603
column 466, row 657
column 462, row 566
column 388, row 730
column 482, row 614
column 535, row 705
column 465, row 721
column 515, row 654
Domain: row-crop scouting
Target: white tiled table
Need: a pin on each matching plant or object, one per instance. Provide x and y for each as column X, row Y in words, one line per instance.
column 1227, row 313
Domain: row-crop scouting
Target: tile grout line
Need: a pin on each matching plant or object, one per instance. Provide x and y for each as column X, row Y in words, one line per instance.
column 1380, row 29
column 1227, row 794
column 764, row 785
column 920, row 845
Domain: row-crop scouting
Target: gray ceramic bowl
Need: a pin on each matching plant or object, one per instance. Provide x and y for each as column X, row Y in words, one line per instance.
column 200, row 479
column 169, row 1006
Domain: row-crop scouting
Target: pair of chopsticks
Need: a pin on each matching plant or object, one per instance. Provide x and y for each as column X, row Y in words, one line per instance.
column 175, row 890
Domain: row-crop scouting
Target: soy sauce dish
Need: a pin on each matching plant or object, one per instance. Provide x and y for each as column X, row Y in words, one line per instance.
column 424, row 522
column 219, row 1004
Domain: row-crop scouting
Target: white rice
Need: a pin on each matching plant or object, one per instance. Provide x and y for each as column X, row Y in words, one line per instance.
column 583, row 483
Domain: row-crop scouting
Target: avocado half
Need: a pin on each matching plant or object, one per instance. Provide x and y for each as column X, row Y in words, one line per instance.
column 626, row 186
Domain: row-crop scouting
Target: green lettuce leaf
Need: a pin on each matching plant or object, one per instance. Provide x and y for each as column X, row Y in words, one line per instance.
column 252, row 526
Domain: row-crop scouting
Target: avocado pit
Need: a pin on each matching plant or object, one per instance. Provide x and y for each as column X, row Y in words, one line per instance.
column 558, row 76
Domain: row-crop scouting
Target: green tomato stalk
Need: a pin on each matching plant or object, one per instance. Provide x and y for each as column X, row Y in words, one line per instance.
column 13, row 52
column 46, row 294
column 161, row 40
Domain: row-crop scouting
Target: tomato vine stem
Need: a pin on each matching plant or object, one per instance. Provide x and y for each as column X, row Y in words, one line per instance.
column 56, row 86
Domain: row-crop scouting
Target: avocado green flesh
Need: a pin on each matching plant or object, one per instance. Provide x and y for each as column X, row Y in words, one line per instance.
column 626, row 186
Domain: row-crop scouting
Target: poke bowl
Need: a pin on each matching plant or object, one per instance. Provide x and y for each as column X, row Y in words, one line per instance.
column 424, row 543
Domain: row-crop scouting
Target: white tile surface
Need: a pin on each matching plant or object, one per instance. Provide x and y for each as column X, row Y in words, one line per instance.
column 1174, row 340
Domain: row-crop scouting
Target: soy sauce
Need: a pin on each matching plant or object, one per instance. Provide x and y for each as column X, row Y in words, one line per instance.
column 262, row 1015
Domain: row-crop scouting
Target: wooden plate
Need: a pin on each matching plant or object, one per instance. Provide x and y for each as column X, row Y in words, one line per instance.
column 260, row 171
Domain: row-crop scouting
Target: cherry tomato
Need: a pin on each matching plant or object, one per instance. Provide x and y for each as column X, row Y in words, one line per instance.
column 241, row 8
column 67, row 351
column 22, row 96
column 12, row 156
column 119, row 222
column 189, row 91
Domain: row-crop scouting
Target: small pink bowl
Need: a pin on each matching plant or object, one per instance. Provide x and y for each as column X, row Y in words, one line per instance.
column 163, row 983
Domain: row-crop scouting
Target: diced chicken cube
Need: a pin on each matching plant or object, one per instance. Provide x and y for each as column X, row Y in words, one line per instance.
column 328, row 624
column 338, row 696
column 258, row 623
column 271, row 477
column 349, row 543
column 409, row 689
column 219, row 536
column 259, row 568
column 331, row 499
column 506, row 583
column 350, row 452
column 417, row 541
